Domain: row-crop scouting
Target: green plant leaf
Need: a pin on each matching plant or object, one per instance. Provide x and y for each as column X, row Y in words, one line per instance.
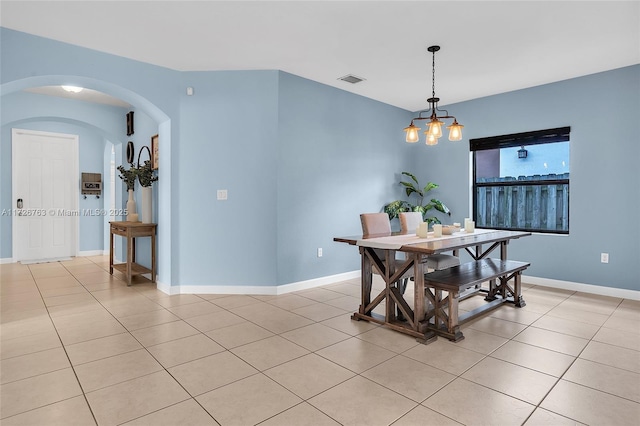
column 412, row 177
column 396, row 207
column 409, row 188
column 439, row 205
column 430, row 186
column 431, row 220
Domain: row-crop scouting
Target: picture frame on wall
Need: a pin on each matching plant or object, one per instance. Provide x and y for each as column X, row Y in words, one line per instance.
column 154, row 152
column 129, row 123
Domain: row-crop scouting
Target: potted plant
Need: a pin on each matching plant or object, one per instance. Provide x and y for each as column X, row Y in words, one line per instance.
column 129, row 177
column 146, row 177
column 413, row 187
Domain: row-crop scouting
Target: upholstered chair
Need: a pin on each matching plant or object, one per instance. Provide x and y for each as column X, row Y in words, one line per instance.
column 409, row 221
column 378, row 224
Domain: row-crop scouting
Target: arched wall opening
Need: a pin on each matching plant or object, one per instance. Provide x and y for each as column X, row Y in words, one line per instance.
column 139, row 103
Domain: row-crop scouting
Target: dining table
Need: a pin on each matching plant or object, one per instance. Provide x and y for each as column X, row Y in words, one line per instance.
column 423, row 320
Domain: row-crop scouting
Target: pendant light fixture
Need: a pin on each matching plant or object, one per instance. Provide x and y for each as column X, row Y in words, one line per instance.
column 434, row 129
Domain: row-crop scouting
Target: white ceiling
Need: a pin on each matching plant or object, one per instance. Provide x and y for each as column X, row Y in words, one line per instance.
column 487, row 47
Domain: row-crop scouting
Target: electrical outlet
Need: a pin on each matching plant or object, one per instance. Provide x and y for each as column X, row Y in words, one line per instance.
column 604, row 257
column 222, row 194
column 319, row 252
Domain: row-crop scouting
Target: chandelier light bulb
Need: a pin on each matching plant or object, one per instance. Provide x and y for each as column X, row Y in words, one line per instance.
column 432, row 140
column 455, row 131
column 435, row 128
column 412, row 133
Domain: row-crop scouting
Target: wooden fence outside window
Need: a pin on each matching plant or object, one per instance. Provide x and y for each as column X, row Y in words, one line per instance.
column 532, row 203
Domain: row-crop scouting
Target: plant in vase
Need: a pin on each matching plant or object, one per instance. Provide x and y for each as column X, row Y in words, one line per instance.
column 399, row 206
column 146, row 177
column 129, row 177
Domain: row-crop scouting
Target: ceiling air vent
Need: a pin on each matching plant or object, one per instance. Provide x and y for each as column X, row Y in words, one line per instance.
column 350, row 78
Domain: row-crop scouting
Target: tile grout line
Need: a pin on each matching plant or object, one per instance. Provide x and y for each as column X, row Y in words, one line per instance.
column 357, row 336
column 63, row 348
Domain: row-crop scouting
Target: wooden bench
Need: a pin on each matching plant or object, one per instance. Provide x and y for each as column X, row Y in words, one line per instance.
column 464, row 281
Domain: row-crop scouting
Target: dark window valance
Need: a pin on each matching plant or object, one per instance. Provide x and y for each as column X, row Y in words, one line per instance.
column 560, row 134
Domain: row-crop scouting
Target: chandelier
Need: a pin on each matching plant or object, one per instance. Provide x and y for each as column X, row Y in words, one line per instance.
column 434, row 129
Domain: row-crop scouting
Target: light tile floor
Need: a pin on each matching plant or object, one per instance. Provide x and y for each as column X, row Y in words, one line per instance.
column 79, row 347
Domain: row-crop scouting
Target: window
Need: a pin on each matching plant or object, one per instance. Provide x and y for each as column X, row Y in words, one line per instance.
column 521, row 181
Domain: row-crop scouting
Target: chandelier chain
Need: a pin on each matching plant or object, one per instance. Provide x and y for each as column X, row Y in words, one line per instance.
column 433, row 76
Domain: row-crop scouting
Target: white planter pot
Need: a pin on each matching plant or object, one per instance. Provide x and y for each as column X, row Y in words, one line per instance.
column 131, row 206
column 147, row 205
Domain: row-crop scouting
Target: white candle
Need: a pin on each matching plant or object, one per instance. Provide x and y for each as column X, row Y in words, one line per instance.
column 422, row 230
column 469, row 226
column 437, row 230
column 133, row 217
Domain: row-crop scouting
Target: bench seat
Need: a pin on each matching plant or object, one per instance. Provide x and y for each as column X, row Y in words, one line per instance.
column 442, row 313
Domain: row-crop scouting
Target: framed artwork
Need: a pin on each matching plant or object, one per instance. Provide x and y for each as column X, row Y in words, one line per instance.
column 130, row 152
column 154, row 152
column 129, row 123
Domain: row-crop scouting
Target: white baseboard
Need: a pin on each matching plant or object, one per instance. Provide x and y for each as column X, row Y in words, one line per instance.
column 622, row 293
column 331, row 279
column 80, row 254
column 166, row 288
column 316, row 282
column 257, row 289
column 87, row 253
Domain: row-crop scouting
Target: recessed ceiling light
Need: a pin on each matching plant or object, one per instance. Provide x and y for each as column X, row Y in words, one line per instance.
column 72, row 89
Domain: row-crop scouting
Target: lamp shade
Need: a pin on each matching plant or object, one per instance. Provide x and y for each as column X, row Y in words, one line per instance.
column 455, row 131
column 412, row 133
column 431, row 140
column 435, row 127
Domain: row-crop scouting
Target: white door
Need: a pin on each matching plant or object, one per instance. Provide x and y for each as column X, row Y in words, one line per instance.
column 45, row 195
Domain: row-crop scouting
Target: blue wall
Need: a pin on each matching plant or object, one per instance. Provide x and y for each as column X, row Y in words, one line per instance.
column 339, row 155
column 301, row 160
column 605, row 181
column 228, row 140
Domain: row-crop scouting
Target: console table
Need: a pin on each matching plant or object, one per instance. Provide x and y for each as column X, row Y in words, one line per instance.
column 131, row 231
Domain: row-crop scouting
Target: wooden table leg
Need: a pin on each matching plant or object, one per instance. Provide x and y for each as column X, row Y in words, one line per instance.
column 365, row 282
column 111, row 252
column 133, row 249
column 130, row 257
column 390, row 304
column 419, row 324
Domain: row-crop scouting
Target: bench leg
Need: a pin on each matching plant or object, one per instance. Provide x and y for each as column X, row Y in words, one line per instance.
column 453, row 328
column 517, row 287
column 491, row 295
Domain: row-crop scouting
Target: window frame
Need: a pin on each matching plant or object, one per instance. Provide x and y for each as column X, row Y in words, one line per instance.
column 538, row 137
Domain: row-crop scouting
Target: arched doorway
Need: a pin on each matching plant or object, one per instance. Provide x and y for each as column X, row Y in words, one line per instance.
column 139, row 103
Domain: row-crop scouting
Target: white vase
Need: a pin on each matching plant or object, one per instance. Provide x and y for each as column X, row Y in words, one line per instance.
column 131, row 207
column 147, row 209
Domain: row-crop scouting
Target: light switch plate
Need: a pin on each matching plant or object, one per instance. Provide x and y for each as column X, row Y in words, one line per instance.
column 222, row 194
